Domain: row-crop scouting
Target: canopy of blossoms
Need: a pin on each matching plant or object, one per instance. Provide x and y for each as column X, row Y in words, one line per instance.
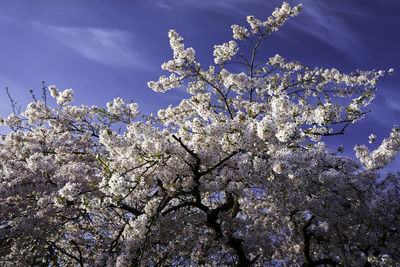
column 234, row 175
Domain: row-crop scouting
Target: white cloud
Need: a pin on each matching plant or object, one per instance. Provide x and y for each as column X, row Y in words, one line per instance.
column 107, row 46
column 327, row 25
column 319, row 19
column 218, row 6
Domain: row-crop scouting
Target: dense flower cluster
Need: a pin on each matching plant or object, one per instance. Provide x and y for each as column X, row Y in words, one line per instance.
column 233, row 175
column 225, row 52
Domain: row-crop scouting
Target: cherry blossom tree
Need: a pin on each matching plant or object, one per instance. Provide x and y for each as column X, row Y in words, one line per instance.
column 234, row 175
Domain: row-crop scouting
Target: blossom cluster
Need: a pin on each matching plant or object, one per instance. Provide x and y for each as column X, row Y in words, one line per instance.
column 225, row 52
column 237, row 174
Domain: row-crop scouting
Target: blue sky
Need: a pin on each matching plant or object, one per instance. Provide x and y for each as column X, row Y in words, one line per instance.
column 105, row 49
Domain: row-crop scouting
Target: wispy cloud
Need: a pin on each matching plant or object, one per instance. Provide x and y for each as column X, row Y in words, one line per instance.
column 319, row 18
column 217, row 6
column 107, row 46
column 328, row 25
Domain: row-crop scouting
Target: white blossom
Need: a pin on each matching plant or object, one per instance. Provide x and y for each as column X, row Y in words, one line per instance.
column 239, row 32
column 371, row 138
column 65, row 97
column 235, row 173
column 225, row 52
